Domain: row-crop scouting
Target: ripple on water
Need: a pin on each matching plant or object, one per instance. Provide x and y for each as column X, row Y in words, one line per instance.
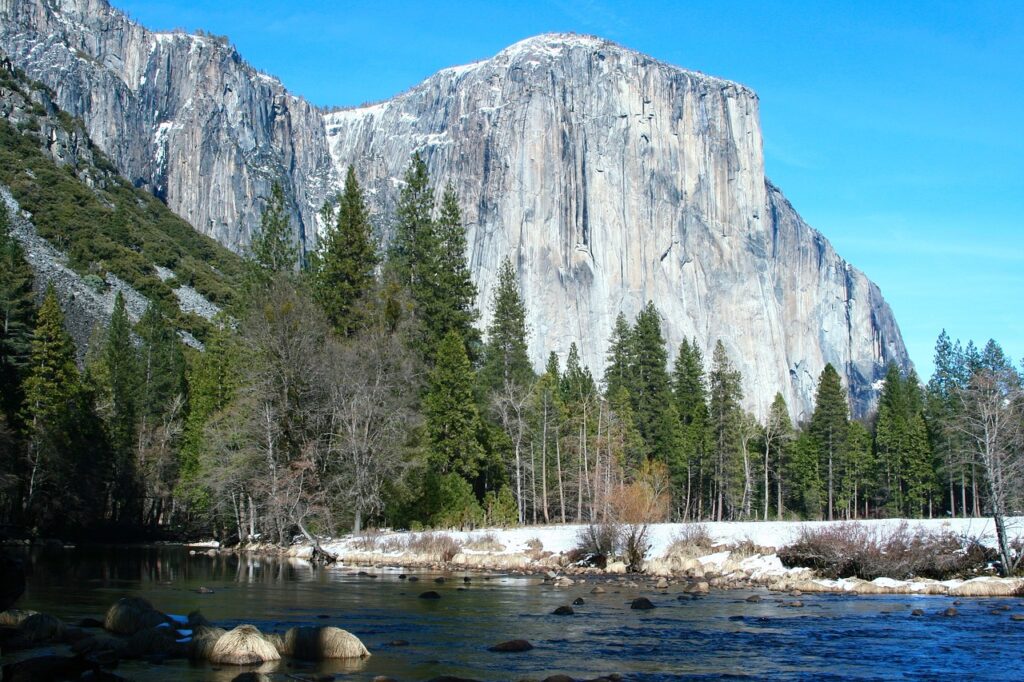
column 720, row 636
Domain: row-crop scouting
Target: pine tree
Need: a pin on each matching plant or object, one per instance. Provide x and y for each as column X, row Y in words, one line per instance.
column 452, row 419
column 161, row 408
column 901, row 442
column 724, row 413
column 803, row 476
column 778, row 432
column 414, row 245
column 122, row 376
column 690, row 396
column 506, row 361
column 343, row 270
column 829, row 425
column 122, row 371
column 650, row 385
column 454, row 307
column 17, row 319
column 617, row 372
column 942, row 414
column 273, row 249
column 859, row 470
column 52, row 393
column 577, row 383
column 161, row 365
column 548, row 408
column 212, row 381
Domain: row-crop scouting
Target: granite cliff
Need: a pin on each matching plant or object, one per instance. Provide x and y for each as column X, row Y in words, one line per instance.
column 609, row 177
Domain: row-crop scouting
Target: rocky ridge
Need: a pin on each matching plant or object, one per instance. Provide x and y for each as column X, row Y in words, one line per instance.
column 87, row 295
column 610, row 178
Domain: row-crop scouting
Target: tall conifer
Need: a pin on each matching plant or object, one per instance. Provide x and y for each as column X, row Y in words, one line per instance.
column 829, row 425
column 17, row 318
column 506, row 361
column 343, row 270
column 724, row 413
column 452, row 419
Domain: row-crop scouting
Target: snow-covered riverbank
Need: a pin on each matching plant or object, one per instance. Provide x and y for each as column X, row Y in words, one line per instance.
column 740, row 554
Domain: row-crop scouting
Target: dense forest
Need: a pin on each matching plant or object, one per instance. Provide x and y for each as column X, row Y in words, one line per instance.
column 348, row 387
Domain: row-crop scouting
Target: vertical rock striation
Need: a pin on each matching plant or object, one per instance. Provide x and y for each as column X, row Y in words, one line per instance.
column 181, row 115
column 610, row 178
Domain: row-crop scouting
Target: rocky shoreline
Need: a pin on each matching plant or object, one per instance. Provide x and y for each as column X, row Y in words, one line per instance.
column 725, row 569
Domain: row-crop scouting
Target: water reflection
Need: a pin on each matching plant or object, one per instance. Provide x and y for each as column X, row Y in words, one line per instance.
column 411, row 638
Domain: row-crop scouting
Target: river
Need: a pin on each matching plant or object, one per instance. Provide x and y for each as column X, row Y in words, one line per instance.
column 713, row 637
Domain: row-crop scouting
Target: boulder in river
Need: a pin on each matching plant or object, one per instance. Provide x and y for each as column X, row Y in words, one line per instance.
column 320, row 643
column 512, row 646
column 39, row 628
column 245, row 645
column 128, row 615
column 563, row 611
column 641, row 604
column 159, row 642
column 429, row 594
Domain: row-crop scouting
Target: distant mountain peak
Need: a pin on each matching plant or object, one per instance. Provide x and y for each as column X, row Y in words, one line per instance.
column 609, row 177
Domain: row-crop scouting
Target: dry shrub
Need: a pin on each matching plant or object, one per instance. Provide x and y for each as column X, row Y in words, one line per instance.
column 128, row 615
column 692, row 541
column 245, row 645
column 853, row 550
column 488, row 542
column 369, row 541
column 637, row 505
column 596, row 543
column 534, row 545
column 391, row 544
column 745, row 548
column 436, row 546
column 319, row 643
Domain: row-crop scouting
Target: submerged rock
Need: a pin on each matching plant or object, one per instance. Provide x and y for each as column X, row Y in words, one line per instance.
column 512, row 646
column 641, row 604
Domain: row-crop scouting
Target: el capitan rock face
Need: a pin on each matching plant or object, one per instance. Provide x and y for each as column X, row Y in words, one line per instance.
column 608, row 177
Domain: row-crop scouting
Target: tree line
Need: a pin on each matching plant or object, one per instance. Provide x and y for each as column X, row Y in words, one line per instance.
column 349, row 386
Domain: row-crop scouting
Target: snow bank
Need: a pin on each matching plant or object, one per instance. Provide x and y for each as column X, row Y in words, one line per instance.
column 544, row 548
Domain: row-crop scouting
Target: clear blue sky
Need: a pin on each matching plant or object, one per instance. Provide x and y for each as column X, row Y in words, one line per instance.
column 895, row 128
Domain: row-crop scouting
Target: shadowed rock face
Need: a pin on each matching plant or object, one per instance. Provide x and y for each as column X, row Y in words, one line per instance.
column 609, row 178
column 181, row 115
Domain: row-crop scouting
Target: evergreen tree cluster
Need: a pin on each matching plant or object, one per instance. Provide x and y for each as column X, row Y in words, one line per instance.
column 352, row 388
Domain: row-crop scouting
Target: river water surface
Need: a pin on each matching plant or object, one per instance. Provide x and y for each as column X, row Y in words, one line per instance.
column 714, row 637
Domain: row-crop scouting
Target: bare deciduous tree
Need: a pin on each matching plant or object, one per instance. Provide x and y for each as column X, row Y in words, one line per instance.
column 991, row 420
column 511, row 406
column 371, row 411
